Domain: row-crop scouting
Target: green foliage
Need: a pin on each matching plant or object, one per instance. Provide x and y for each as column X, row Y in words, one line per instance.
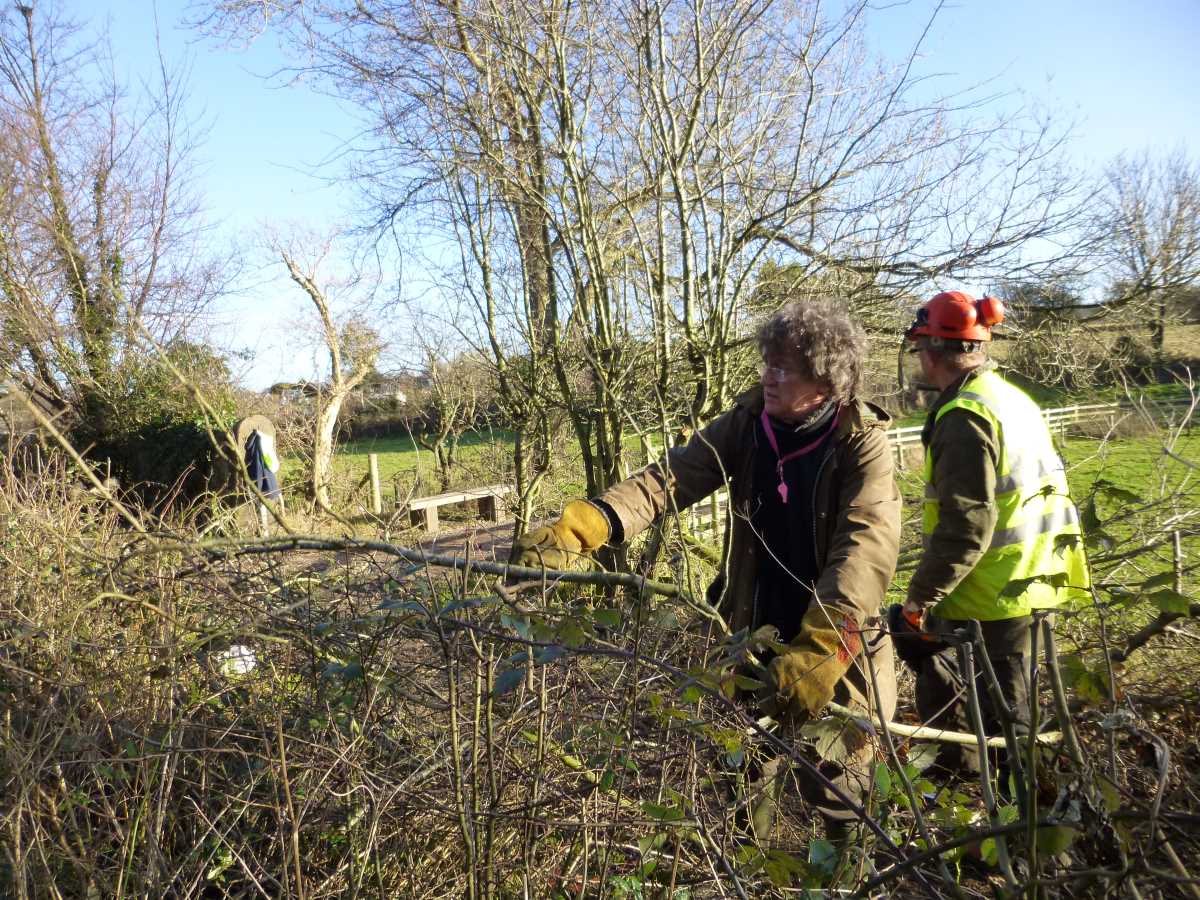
column 189, row 383
column 1169, row 601
column 152, row 430
column 1085, row 677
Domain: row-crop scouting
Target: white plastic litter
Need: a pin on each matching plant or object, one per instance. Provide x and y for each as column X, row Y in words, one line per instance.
column 237, row 660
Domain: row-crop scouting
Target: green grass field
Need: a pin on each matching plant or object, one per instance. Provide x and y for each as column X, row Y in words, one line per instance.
column 487, row 455
column 483, row 454
column 1137, row 465
column 1050, row 397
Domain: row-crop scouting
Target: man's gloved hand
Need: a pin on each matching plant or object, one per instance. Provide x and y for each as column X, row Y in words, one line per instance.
column 579, row 531
column 912, row 640
column 807, row 673
column 912, row 620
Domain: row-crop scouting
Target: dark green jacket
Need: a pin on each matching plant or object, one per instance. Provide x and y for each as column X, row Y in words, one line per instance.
column 965, row 453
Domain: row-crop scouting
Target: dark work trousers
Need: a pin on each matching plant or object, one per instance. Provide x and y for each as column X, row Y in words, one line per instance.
column 853, row 771
column 942, row 698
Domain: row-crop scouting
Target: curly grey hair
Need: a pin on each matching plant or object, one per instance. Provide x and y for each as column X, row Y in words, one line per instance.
column 819, row 338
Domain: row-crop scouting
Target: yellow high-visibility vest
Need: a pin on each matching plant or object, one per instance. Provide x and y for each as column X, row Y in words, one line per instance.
column 1036, row 558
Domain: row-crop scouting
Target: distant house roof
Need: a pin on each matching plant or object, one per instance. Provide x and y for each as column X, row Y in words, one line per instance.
column 294, row 389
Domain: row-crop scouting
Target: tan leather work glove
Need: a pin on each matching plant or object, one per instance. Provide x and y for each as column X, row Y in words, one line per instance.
column 579, row 531
column 807, row 673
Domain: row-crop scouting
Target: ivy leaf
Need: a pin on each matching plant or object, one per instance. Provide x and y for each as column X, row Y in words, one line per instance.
column 921, row 756
column 750, row 858
column 519, row 624
column 1089, row 685
column 1162, row 579
column 1170, row 601
column 1116, row 491
column 1065, row 542
column 609, row 618
column 746, row 683
column 570, row 634
column 1019, row 586
column 662, row 813
column 651, row 842
column 1108, row 793
column 730, row 740
column 783, row 868
column 988, row 851
column 883, row 780
column 455, row 606
column 1054, row 839
column 507, row 681
column 827, row 736
column 549, row 654
column 823, row 856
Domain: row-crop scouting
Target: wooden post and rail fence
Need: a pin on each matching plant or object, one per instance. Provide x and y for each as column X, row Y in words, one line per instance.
column 1059, row 419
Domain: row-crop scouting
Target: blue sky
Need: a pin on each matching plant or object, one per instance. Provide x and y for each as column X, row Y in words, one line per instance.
column 1127, row 72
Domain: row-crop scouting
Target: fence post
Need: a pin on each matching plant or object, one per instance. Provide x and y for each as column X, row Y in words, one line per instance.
column 1177, row 553
column 376, row 490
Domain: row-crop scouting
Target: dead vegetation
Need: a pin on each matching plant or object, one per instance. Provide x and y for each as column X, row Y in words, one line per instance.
column 323, row 717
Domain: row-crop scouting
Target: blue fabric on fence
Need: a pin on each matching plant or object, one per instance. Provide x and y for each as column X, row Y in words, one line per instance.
column 256, row 466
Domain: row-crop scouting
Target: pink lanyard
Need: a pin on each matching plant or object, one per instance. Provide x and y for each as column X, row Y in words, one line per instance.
column 807, row 448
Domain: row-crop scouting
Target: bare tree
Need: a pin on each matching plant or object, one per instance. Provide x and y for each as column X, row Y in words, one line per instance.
column 99, row 232
column 1147, row 237
column 628, row 167
column 447, row 409
column 353, row 349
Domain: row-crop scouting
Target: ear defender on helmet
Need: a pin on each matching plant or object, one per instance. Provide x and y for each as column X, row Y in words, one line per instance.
column 989, row 311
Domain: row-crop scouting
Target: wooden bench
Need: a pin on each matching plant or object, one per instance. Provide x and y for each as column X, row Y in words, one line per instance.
column 423, row 511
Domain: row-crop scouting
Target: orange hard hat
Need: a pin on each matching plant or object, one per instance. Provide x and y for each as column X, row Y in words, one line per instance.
column 955, row 315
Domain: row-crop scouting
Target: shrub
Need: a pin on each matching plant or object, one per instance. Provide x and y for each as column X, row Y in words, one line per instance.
column 152, row 431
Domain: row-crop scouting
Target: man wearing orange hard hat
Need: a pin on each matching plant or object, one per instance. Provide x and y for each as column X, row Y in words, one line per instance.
column 1001, row 537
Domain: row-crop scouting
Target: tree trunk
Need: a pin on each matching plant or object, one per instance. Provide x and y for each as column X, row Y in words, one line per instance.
column 1158, row 329
column 322, row 460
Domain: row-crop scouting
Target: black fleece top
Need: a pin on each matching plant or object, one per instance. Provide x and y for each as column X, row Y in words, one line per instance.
column 788, row 567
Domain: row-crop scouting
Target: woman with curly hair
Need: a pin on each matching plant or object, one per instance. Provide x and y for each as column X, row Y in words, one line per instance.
column 811, row 544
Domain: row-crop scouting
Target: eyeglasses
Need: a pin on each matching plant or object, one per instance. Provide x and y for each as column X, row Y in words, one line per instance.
column 779, row 373
column 920, row 321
